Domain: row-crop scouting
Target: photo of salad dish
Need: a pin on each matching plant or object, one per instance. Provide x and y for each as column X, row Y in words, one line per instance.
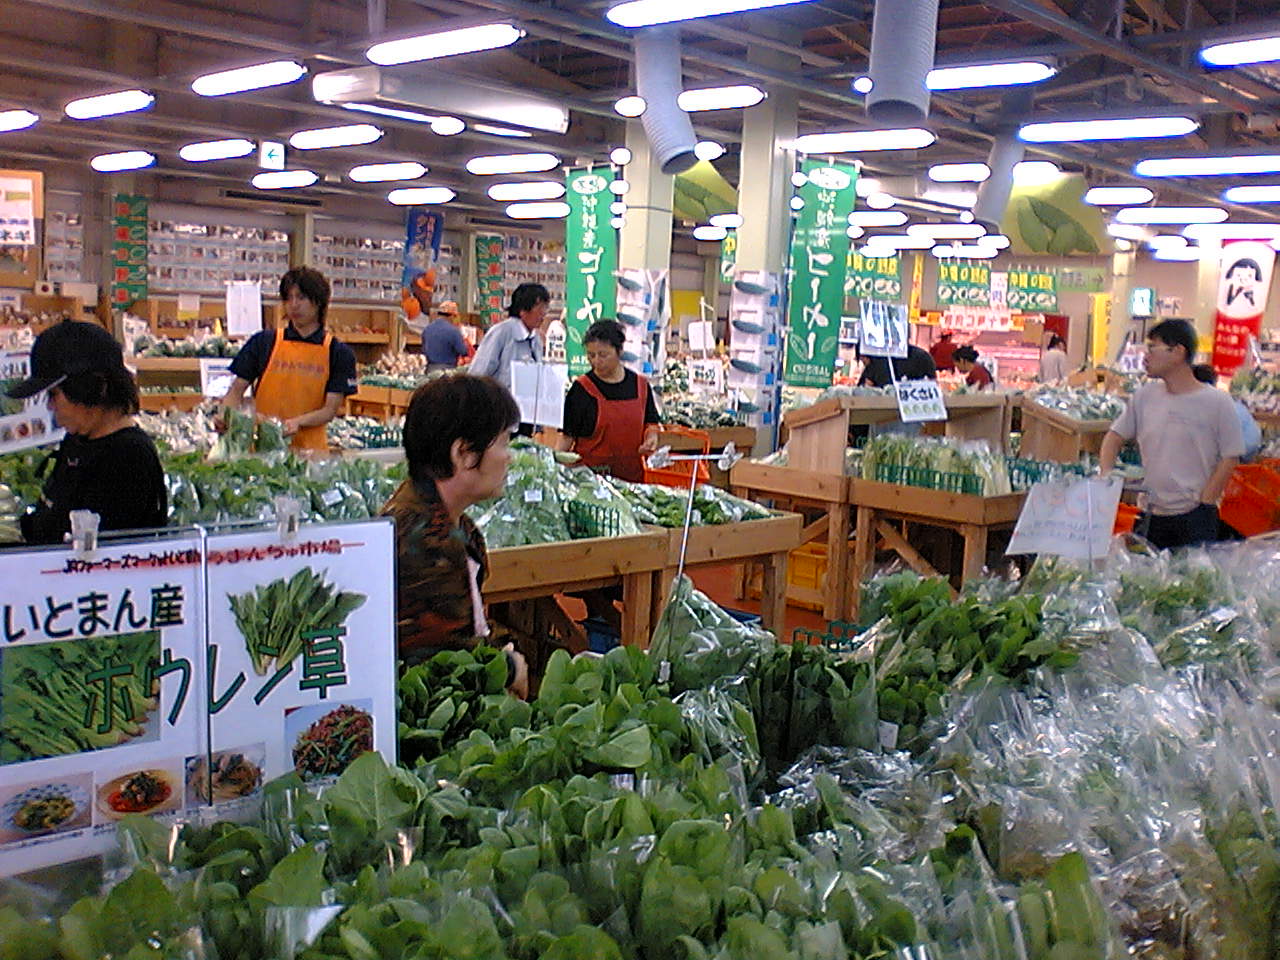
column 229, row 775
column 143, row 791
column 44, row 809
column 331, row 743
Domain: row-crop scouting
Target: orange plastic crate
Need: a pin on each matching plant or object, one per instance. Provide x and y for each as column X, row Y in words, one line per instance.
column 1126, row 517
column 1251, row 504
column 680, row 473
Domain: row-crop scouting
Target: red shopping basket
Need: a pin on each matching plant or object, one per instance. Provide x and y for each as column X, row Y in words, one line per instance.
column 1126, row 517
column 1251, row 504
column 679, row 473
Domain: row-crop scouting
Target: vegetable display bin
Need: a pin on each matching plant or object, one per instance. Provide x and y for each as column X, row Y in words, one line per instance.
column 1251, row 504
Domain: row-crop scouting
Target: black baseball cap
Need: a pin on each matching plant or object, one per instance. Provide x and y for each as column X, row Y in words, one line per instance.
column 69, row 349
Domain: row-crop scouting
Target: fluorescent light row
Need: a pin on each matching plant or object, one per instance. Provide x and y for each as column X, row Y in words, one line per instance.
column 324, row 138
column 260, row 75
column 1008, row 74
column 1183, row 215
column 737, row 96
column 865, row 141
column 1127, row 128
column 444, row 43
column 512, row 163
column 527, row 190
column 1209, row 166
column 441, row 126
column 646, row 13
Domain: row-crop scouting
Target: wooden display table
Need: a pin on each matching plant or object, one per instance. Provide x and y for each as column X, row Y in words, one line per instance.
column 160, row 401
column 368, row 401
column 877, row 504
column 824, row 492
column 767, row 542
column 545, row 569
column 1050, row 435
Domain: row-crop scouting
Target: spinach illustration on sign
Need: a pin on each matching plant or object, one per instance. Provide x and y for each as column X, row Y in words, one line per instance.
column 1045, row 228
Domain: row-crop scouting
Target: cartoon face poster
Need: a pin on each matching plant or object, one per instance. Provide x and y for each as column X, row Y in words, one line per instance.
column 1243, row 284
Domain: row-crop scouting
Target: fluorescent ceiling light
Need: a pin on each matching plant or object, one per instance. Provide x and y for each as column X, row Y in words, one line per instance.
column 527, row 190
column 620, row 155
column 420, row 196
column 708, row 150
column 902, row 241
column 863, row 85
column 630, row 106
column 383, row 172
column 956, row 198
column 11, row 120
column 1171, row 215
column 864, row 141
column 352, row 135
column 617, row 208
column 1167, row 240
column 1233, row 53
column 959, row 172
column 971, row 251
column 876, row 250
column 1180, row 254
column 446, row 43
column 997, row 240
column 447, row 126
column 863, row 187
column 853, row 233
column 947, row 231
column 1010, row 74
column 1032, row 172
column 617, row 222
column 1232, row 231
column 284, row 179
column 620, row 188
column 127, row 160
column 797, row 203
column 709, row 232
column 256, row 77
column 512, row 163
column 719, row 98
column 500, row 131
column 541, row 210
column 645, row 13
column 1118, row 196
column 216, row 150
column 877, row 218
column 730, row 221
column 1130, row 128
column 881, row 201
column 1125, row 231
column 390, row 112
column 109, row 104
column 1222, row 166
column 1262, row 193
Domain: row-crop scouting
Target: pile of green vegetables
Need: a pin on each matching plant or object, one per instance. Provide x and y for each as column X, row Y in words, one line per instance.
column 1079, row 404
column 936, row 462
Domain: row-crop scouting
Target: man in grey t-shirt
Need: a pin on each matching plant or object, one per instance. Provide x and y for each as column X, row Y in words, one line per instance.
column 1189, row 438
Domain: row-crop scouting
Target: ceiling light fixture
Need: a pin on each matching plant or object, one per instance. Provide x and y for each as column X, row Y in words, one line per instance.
column 730, row 221
column 1029, row 173
column 881, row 201
column 1011, row 74
column 970, row 251
column 1125, row 231
column 619, row 188
column 877, row 218
column 446, row 43
column 1178, row 254
column 959, row 172
column 384, row 172
column 1219, row 166
column 997, row 240
column 1129, row 128
column 126, row 160
column 11, row 120
column 854, row 233
column 1167, row 240
column 512, row 163
column 903, row 241
column 109, row 104
column 1262, row 193
column 545, row 210
column 1118, row 196
column 1232, row 231
column 630, row 106
column 719, row 98
column 865, row 141
column 527, row 190
column 620, row 155
column 797, row 203
column 1233, row 53
column 617, row 208
column 390, row 112
column 646, row 13
column 708, row 150
column 709, row 232
column 862, row 187
column 447, row 126
column 420, row 196
column 284, row 179
column 273, row 74
column 323, row 138
column 499, row 131
column 874, row 250
column 863, row 85
column 216, row 150
column 1171, row 215
column 617, row 222
column 947, row 231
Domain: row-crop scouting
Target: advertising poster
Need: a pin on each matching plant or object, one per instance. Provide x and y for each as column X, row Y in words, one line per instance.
column 728, row 256
column 873, row 278
column 17, row 212
column 1244, row 280
column 23, row 423
column 128, row 250
column 490, row 279
column 1032, row 290
column 963, row 283
column 591, row 245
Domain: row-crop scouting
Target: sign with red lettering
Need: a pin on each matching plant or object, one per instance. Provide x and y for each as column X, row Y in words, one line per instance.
column 1243, row 283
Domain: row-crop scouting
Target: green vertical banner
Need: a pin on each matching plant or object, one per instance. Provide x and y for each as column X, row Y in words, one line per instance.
column 819, row 255
column 490, row 278
column 962, row 283
column 1032, row 290
column 128, row 250
column 591, row 258
column 728, row 256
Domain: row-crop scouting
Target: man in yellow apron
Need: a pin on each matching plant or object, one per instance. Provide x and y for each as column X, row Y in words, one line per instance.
column 299, row 373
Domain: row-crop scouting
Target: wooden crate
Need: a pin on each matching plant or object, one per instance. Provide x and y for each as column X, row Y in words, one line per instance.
column 1050, row 435
column 927, row 504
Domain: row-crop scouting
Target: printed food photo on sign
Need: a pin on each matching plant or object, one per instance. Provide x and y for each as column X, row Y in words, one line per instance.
column 73, row 696
column 156, row 789
column 275, row 620
column 327, row 738
column 43, row 807
column 227, row 775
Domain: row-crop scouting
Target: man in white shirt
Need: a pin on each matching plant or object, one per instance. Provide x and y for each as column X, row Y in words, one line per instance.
column 514, row 339
column 1189, row 438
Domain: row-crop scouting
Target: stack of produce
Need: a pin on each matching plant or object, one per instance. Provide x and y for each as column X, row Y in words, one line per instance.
column 364, row 433
column 666, row 506
column 179, row 431
column 941, row 463
column 399, row 371
column 681, row 407
column 147, row 345
column 1080, row 404
column 1257, row 389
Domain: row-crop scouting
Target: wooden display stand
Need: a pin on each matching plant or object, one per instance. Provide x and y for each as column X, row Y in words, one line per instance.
column 877, row 505
column 1050, row 435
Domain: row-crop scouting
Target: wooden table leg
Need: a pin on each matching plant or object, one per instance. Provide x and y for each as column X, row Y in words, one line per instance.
column 975, row 551
column 637, row 609
column 834, row 598
column 773, row 594
column 864, row 555
column 660, row 592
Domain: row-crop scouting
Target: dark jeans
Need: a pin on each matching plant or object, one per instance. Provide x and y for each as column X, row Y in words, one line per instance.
column 1180, row 530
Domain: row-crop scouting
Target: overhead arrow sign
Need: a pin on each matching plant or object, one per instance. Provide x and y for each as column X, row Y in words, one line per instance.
column 271, row 155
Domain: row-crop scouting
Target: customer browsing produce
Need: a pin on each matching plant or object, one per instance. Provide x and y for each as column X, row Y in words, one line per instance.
column 299, row 373
column 456, row 433
column 966, row 360
column 106, row 464
column 610, row 418
column 442, row 341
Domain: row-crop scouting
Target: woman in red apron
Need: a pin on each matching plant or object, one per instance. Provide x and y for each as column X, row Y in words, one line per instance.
column 610, row 418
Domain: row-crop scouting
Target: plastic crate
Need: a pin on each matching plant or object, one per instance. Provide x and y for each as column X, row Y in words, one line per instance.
column 1023, row 473
column 744, row 616
column 1251, row 504
column 1126, row 517
column 680, row 472
column 601, row 638
column 931, row 479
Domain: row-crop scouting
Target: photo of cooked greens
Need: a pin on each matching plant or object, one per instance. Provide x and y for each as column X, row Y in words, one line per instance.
column 148, row 791
column 273, row 618
column 48, row 806
column 326, row 740
column 72, row 696
column 227, row 775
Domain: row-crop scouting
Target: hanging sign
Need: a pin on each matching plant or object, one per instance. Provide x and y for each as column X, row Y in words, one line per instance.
column 1032, row 290
column 819, row 254
column 539, row 390
column 490, row 278
column 1243, row 284
column 1082, row 279
column 963, row 283
column 1068, row 518
column 706, row 376
column 728, row 256
column 216, row 376
column 920, row 401
column 23, row 423
column 17, row 212
column 244, row 308
column 883, row 330
column 128, row 250
column 591, row 258
column 873, row 278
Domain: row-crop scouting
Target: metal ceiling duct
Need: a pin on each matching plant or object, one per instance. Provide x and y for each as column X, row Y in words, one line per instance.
column 659, row 80
column 904, row 35
column 1007, row 152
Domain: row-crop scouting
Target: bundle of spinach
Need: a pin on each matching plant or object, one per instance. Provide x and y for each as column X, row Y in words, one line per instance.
column 275, row 618
column 703, row 644
column 439, row 700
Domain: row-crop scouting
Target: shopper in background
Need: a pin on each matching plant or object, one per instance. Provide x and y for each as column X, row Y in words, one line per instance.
column 515, row 338
column 1250, row 432
column 610, row 418
column 299, row 373
column 941, row 351
column 1188, row 435
column 1053, row 363
column 106, row 463
column 456, row 432
column 976, row 375
column 916, row 365
column 442, row 341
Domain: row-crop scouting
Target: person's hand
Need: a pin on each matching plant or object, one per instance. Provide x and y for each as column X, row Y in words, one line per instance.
column 220, row 420
column 290, row 426
column 519, row 686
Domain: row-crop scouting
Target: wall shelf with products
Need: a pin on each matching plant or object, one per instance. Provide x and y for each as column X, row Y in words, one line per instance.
column 64, row 246
column 529, row 259
column 186, row 256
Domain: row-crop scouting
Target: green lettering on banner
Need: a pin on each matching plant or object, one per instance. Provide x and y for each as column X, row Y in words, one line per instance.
column 728, row 256
column 490, row 278
column 963, row 283
column 1032, row 290
column 819, row 256
column 591, row 257
column 873, row 278
column 128, row 250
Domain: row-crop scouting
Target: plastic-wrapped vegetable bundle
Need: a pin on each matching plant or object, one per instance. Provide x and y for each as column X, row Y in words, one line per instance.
column 594, row 507
column 530, row 509
column 703, row 644
column 1080, row 404
column 897, row 457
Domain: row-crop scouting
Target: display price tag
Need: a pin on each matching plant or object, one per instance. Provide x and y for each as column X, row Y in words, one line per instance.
column 216, row 376
column 706, row 376
column 920, row 401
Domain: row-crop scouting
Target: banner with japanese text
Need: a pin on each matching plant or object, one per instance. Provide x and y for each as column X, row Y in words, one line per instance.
column 128, row 250
column 1032, row 290
column 490, row 278
column 728, row 256
column 591, row 258
column 17, row 212
column 873, row 278
column 1244, row 281
column 23, row 423
column 963, row 283
column 819, row 257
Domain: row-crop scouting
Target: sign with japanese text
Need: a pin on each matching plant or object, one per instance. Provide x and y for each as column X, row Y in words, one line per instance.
column 423, row 230
column 1243, row 283
column 1082, row 279
column 873, row 278
column 1032, row 290
column 128, row 250
column 1068, row 518
column 706, row 376
column 819, row 257
column 23, row 423
column 920, row 401
column 17, row 212
column 591, row 258
column 883, row 329
column 490, row 278
column 963, row 283
column 728, row 256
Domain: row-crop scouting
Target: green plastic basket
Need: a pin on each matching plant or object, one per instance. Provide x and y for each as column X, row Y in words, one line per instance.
column 931, row 479
column 588, row 520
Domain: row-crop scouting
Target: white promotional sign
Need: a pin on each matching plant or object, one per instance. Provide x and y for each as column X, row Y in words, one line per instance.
column 920, row 401
column 17, row 212
column 244, row 308
column 216, row 376
column 1068, row 518
column 884, row 329
column 539, row 389
column 23, row 423
column 706, row 377
column 702, row 336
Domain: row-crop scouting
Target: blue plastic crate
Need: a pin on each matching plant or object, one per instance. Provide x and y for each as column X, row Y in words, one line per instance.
column 601, row 638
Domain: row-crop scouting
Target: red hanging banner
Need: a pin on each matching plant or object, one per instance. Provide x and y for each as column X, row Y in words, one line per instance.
column 1244, row 280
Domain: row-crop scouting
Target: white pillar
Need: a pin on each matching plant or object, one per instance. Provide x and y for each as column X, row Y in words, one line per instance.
column 645, row 243
column 767, row 162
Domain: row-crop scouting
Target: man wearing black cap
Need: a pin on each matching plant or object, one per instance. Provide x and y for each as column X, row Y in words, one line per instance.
column 105, row 464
